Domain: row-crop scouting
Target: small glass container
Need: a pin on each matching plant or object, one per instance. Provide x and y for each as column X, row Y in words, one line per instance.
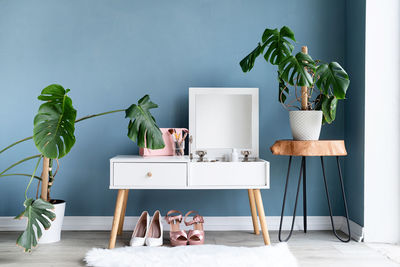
column 179, row 148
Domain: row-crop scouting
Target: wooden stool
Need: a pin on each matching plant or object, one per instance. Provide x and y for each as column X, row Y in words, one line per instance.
column 308, row 149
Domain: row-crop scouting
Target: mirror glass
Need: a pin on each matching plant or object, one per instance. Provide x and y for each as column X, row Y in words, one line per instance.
column 224, row 121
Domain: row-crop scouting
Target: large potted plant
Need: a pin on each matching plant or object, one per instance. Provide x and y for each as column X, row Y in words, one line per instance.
column 322, row 84
column 53, row 135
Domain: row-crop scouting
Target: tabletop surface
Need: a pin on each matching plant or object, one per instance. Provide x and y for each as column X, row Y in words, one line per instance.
column 309, row 148
column 137, row 158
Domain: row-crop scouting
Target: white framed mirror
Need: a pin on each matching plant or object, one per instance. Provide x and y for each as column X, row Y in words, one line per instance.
column 223, row 118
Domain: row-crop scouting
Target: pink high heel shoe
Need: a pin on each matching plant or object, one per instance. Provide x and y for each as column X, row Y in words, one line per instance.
column 195, row 236
column 177, row 236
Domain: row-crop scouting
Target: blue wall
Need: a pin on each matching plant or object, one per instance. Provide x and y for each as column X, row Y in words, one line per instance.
column 110, row 53
column 354, row 106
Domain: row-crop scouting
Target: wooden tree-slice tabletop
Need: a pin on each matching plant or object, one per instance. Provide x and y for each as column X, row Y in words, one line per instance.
column 309, row 148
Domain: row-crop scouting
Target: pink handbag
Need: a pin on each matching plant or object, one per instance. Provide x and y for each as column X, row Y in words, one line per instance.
column 168, row 150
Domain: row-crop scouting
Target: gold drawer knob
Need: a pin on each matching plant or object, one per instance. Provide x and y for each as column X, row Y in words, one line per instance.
column 149, row 174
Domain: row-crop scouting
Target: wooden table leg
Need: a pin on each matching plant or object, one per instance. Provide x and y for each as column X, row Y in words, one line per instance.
column 122, row 218
column 261, row 214
column 253, row 211
column 117, row 217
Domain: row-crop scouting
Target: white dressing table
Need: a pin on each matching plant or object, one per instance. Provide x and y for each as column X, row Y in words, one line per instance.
column 219, row 119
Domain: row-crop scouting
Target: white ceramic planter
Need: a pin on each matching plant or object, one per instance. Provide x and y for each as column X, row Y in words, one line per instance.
column 53, row 234
column 305, row 124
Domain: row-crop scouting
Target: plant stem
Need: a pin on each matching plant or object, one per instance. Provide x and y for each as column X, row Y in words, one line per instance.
column 78, row 120
column 20, row 174
column 19, row 162
column 33, row 175
column 99, row 114
column 13, row 144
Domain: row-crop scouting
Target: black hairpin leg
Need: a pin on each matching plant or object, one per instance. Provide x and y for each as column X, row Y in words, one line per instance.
column 303, row 163
column 344, row 199
column 304, row 197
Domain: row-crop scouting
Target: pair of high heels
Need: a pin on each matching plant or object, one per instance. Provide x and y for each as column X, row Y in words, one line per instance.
column 146, row 232
column 179, row 237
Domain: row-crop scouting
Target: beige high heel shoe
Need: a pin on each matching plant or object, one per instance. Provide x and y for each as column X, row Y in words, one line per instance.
column 195, row 236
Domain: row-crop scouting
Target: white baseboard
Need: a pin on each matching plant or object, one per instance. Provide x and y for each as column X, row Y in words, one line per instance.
column 213, row 223
column 357, row 231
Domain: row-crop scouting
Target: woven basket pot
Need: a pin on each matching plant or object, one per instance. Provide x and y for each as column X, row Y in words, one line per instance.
column 305, row 124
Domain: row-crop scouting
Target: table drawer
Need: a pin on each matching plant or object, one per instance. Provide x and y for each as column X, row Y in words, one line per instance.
column 150, row 175
column 225, row 174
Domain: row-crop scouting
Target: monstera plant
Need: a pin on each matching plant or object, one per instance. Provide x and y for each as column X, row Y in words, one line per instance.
column 322, row 84
column 54, row 136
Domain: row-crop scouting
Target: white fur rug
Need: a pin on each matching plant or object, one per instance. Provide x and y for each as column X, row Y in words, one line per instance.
column 193, row 256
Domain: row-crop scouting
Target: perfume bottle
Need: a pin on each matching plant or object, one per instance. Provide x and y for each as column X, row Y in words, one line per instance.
column 234, row 155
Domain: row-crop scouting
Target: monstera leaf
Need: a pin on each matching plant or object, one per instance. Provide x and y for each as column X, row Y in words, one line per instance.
column 54, row 124
column 248, row 62
column 333, row 76
column 293, row 69
column 36, row 211
column 279, row 47
column 142, row 126
column 328, row 105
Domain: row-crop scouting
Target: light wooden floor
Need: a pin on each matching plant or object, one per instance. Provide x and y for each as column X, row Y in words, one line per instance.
column 316, row 248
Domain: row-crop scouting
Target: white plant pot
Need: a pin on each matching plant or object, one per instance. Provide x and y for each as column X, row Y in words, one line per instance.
column 53, row 234
column 305, row 124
